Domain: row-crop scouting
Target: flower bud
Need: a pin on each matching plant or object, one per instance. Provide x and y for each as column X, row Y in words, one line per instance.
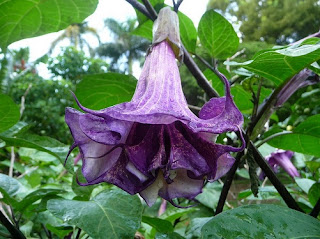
column 166, row 27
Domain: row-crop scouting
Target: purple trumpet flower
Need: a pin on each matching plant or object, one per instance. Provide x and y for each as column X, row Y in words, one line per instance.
column 302, row 79
column 154, row 145
column 281, row 158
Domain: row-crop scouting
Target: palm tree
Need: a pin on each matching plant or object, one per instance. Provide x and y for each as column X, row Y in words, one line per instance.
column 75, row 33
column 125, row 44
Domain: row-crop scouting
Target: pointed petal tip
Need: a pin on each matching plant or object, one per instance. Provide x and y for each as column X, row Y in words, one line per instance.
column 72, row 147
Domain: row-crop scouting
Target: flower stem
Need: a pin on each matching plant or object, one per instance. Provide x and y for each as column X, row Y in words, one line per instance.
column 198, row 75
column 176, row 5
column 213, row 69
column 315, row 211
column 139, row 6
column 15, row 233
column 150, row 9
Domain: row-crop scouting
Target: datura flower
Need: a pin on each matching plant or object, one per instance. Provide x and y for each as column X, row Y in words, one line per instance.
column 154, row 145
column 281, row 158
column 304, row 78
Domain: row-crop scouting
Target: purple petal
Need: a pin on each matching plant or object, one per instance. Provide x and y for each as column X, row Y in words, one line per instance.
column 93, row 164
column 181, row 187
column 100, row 162
column 281, row 158
column 302, row 79
column 284, row 161
column 104, row 130
column 224, row 164
column 159, row 99
column 146, row 147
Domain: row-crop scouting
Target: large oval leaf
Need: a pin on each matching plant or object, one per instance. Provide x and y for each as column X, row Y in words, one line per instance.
column 9, row 112
column 111, row 214
column 103, row 90
column 217, row 35
column 188, row 32
column 261, row 221
column 304, row 139
column 21, row 19
column 279, row 65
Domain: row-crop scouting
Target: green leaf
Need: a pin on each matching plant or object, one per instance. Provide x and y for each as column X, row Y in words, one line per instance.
column 244, row 194
column 103, row 90
column 35, row 196
column 217, row 35
column 26, row 229
column 279, row 65
column 188, row 32
column 243, row 173
column 41, row 143
column 173, row 213
column 314, row 193
column 82, row 191
column 159, row 224
column 144, row 30
column 18, row 128
column 111, row 214
column 9, row 185
column 304, row 139
column 9, row 111
column 60, row 231
column 210, row 195
column 36, row 155
column 22, row 19
column 170, row 235
column 53, row 224
column 305, row 184
column 313, row 165
column 194, row 228
column 261, row 221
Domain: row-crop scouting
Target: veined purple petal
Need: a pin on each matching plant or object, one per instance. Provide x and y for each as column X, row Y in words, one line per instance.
column 104, row 130
column 102, row 161
column 159, row 99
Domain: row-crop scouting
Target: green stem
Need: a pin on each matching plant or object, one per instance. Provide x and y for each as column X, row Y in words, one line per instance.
column 271, row 137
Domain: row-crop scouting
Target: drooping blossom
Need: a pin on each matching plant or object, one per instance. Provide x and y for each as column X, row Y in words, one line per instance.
column 281, row 158
column 302, row 79
column 154, row 145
